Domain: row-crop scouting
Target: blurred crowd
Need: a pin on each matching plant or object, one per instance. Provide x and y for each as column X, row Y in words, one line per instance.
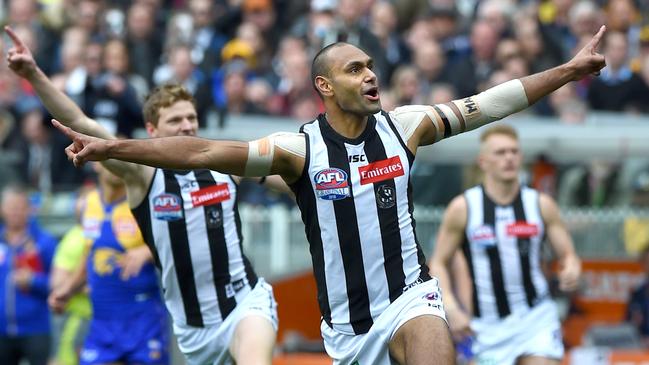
column 253, row 57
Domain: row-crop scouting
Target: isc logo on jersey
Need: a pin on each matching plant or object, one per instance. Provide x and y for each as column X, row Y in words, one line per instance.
column 483, row 236
column 167, row 207
column 331, row 184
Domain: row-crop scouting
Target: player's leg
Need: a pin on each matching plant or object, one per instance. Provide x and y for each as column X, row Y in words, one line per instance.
column 147, row 342
column 537, row 360
column 253, row 341
column 423, row 340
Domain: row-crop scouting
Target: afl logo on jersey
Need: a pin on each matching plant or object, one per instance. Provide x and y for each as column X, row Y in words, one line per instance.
column 483, row 236
column 331, row 184
column 167, row 207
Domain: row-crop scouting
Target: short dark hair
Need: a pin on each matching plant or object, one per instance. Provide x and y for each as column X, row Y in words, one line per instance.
column 320, row 66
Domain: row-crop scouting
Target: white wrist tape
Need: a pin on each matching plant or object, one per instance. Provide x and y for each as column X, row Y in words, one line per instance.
column 492, row 104
column 260, row 156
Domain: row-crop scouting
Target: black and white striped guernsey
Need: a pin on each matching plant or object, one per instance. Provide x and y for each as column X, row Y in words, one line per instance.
column 191, row 222
column 355, row 199
column 503, row 247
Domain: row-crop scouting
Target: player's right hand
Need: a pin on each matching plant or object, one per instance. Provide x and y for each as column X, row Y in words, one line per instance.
column 19, row 57
column 84, row 148
column 58, row 300
column 459, row 323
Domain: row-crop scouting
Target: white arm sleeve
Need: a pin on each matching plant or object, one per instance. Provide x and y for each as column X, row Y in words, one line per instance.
column 492, row 104
column 408, row 118
column 262, row 151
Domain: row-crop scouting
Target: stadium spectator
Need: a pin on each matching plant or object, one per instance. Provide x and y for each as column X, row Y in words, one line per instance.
column 70, row 328
column 182, row 70
column 405, row 85
column 38, row 165
column 25, row 258
column 103, row 94
column 383, row 25
column 477, row 66
column 431, row 66
column 144, row 43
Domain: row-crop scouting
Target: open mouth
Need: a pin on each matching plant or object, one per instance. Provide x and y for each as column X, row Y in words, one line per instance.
column 372, row 93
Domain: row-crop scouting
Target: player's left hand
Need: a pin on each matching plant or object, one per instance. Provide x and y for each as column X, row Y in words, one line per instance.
column 588, row 61
column 132, row 261
column 570, row 274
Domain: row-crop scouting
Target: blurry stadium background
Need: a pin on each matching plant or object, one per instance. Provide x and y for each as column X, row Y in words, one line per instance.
column 248, row 64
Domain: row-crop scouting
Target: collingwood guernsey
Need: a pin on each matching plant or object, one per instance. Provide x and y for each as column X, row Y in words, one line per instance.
column 502, row 246
column 190, row 221
column 355, row 199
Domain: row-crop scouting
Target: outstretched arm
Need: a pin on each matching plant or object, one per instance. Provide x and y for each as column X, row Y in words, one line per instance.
column 445, row 120
column 569, row 262
column 21, row 62
column 248, row 159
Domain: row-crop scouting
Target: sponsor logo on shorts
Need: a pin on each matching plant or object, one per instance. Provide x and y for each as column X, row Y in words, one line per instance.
column 381, row 170
column 483, row 235
column 385, row 197
column 89, row 355
column 155, row 349
column 211, row 195
column 167, row 207
column 331, row 184
column 522, row 230
column 432, row 296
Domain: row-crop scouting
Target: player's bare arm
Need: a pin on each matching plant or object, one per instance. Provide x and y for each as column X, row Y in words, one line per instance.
column 21, row 61
column 445, row 120
column 247, row 159
column 448, row 241
column 562, row 244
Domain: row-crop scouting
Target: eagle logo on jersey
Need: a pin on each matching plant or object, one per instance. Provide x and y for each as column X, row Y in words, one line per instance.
column 331, row 184
column 105, row 260
column 167, row 207
column 483, row 235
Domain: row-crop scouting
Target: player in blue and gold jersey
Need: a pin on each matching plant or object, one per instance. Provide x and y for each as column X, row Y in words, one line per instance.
column 129, row 321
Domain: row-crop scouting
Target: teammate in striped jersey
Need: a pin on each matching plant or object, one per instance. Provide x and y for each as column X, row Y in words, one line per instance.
column 222, row 312
column 500, row 226
column 349, row 169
